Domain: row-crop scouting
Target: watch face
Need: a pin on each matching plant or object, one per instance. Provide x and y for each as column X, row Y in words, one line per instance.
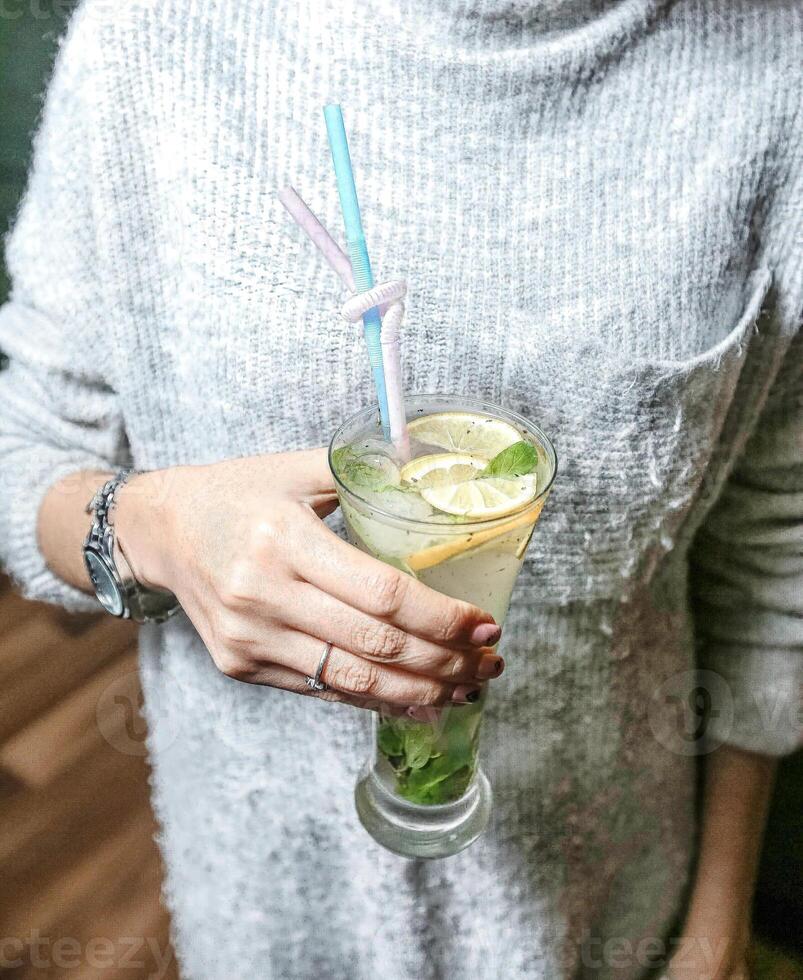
column 106, row 588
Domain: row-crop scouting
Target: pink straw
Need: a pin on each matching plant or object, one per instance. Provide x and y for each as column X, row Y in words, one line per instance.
column 317, row 234
column 386, row 296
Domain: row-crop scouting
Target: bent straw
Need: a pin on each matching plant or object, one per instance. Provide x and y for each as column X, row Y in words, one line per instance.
column 316, row 231
column 301, row 213
column 391, row 354
column 387, row 297
column 358, row 252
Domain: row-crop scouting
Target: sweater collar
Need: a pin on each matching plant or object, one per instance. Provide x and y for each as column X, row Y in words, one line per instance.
column 535, row 36
column 541, row 16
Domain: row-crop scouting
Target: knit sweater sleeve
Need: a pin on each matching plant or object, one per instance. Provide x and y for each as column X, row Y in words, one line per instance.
column 58, row 412
column 748, row 557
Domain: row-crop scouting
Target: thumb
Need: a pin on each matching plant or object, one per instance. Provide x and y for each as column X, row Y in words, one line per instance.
column 316, row 485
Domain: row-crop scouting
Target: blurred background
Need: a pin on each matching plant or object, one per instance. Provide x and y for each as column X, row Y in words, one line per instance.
column 79, row 872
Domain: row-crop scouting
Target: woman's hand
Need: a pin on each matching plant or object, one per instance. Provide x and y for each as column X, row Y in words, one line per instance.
column 242, row 545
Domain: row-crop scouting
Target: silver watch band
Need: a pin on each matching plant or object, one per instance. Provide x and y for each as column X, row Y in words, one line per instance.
column 131, row 600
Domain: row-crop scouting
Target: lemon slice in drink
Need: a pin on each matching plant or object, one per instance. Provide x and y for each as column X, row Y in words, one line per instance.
column 483, row 499
column 464, row 432
column 442, row 470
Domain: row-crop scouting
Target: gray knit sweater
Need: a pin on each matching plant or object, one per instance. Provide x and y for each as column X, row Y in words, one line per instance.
column 596, row 206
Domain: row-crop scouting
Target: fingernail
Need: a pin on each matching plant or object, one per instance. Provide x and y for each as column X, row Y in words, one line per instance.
column 464, row 694
column 490, row 666
column 485, row 635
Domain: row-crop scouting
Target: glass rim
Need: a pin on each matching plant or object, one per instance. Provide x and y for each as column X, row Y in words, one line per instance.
column 444, row 528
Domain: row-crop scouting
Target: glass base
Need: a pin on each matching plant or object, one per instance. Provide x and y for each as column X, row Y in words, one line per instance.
column 423, row 831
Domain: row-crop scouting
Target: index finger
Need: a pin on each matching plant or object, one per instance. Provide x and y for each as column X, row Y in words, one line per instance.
column 387, row 593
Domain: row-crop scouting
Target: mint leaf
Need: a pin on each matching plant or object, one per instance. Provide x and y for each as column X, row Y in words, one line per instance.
column 357, row 474
column 516, row 460
column 340, row 457
column 432, row 764
column 454, row 786
column 389, row 740
column 426, row 783
column 419, row 744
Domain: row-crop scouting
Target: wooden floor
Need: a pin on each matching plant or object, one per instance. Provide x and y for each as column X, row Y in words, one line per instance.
column 79, row 872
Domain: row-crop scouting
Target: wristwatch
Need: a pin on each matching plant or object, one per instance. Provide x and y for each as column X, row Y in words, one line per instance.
column 115, row 586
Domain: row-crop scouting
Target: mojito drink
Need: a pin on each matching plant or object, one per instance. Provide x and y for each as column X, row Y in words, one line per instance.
column 457, row 513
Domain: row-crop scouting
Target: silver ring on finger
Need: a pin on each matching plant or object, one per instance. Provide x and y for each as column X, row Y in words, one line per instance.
column 315, row 683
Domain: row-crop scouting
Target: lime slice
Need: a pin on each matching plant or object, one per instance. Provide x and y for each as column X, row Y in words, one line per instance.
column 482, row 499
column 464, row 432
column 442, row 470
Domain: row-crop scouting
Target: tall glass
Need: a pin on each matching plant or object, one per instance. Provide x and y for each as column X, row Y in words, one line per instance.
column 423, row 794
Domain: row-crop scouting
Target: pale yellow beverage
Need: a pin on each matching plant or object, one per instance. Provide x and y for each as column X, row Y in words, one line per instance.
column 457, row 512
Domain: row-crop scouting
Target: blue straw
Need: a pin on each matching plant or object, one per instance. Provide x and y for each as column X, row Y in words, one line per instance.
column 358, row 253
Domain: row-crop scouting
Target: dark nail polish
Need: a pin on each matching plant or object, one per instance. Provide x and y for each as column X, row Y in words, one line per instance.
column 463, row 694
column 485, row 635
column 489, row 666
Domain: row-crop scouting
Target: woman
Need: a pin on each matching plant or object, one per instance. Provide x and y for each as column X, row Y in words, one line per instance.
column 595, row 204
